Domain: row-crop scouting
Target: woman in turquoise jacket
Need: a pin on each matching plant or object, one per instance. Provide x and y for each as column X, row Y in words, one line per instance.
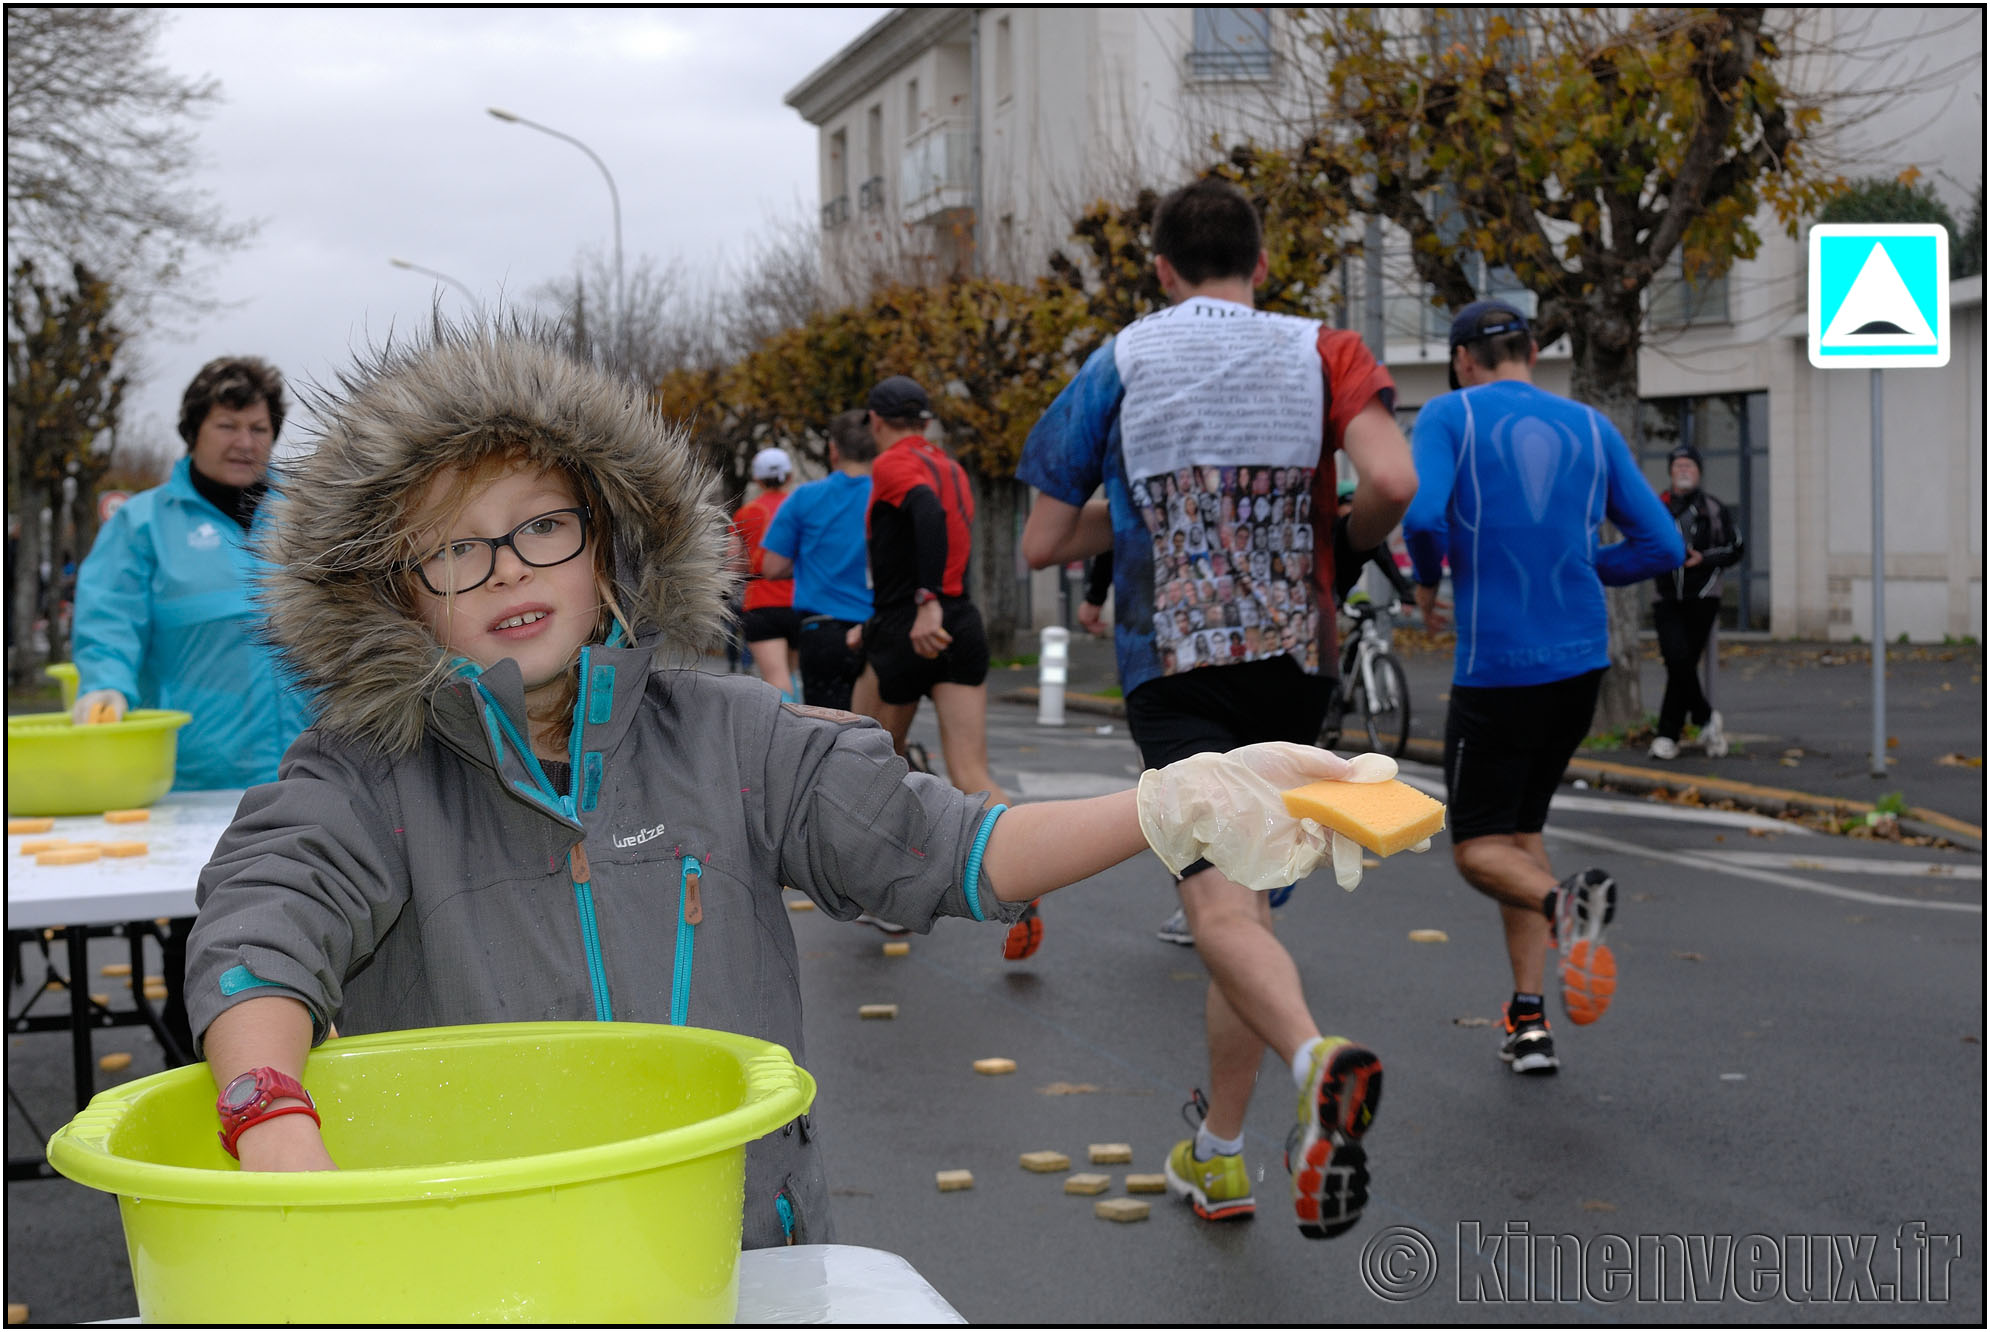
column 165, row 609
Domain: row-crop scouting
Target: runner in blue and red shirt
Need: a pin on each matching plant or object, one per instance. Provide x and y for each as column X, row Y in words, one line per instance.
column 1212, row 425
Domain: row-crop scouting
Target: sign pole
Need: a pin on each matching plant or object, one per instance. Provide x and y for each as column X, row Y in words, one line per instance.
column 1879, row 299
column 1878, row 765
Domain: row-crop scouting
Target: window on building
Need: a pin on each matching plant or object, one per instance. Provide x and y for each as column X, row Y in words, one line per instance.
column 836, row 192
column 1231, row 44
column 911, row 107
column 1005, row 61
column 870, row 194
column 1678, row 301
column 1731, row 431
column 1502, row 26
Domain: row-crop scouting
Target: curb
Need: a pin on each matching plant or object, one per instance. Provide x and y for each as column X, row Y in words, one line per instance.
column 1772, row 800
column 1098, row 703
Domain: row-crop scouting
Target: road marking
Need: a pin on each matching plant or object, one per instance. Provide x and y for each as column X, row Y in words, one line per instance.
column 1615, row 844
column 1069, row 785
column 1905, row 869
column 1636, row 809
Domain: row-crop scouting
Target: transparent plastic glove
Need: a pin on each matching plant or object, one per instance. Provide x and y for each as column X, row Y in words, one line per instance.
column 1229, row 809
column 87, row 707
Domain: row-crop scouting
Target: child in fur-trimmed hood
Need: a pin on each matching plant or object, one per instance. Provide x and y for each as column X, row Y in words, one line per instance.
column 507, row 812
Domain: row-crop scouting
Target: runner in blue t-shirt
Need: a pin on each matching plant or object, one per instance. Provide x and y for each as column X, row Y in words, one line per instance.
column 818, row 534
column 1512, row 482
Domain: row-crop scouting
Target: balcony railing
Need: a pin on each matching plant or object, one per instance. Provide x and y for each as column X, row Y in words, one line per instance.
column 870, row 195
column 1220, row 65
column 936, row 173
column 836, row 212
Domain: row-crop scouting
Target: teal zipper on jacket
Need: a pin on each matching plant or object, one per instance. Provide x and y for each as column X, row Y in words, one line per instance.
column 590, row 930
column 690, row 910
column 501, row 731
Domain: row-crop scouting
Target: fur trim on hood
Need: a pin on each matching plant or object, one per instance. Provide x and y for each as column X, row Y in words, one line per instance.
column 336, row 534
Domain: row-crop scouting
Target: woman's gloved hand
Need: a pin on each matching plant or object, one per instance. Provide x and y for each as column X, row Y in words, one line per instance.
column 99, row 705
column 1229, row 809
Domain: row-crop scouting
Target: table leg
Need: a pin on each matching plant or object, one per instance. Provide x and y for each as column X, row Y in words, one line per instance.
column 173, row 943
column 79, row 1015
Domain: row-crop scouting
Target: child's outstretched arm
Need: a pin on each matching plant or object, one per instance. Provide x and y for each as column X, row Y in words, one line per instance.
column 1035, row 848
column 272, row 1032
column 1226, row 808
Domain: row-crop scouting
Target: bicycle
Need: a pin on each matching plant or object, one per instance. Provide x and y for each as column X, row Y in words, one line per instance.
column 1371, row 682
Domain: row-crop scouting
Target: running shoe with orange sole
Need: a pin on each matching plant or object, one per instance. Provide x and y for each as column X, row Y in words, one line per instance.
column 1323, row 1153
column 1584, row 906
column 1219, row 1189
column 1025, row 936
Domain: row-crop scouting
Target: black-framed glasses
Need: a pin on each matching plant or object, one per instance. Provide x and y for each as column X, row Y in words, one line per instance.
column 541, row 542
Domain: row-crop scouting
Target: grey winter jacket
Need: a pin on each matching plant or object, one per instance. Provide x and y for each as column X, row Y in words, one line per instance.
column 409, row 868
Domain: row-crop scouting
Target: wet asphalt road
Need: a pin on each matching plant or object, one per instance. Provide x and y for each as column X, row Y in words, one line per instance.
column 1795, row 1051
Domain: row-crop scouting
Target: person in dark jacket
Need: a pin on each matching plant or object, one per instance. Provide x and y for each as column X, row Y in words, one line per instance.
column 1689, row 599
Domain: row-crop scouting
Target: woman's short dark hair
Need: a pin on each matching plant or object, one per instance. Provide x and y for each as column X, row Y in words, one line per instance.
column 1207, row 230
column 232, row 381
column 852, row 432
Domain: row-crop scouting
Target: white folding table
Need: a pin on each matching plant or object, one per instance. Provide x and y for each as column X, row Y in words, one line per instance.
column 827, row 1283
column 121, row 896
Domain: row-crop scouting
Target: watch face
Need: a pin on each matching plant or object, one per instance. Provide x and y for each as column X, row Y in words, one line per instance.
column 241, row 1093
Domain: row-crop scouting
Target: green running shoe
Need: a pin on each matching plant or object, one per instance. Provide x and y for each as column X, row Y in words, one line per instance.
column 1219, row 1189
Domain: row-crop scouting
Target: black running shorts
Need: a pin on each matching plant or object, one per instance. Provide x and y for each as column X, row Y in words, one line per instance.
column 903, row 675
column 829, row 666
column 1214, row 709
column 769, row 622
column 1505, row 751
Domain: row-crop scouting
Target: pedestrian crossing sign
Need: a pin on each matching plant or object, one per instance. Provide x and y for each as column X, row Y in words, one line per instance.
column 1879, row 295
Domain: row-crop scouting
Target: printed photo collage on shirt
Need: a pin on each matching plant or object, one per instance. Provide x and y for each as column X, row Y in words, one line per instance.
column 1233, row 561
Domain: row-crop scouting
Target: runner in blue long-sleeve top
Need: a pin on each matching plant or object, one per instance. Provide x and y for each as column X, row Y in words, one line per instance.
column 1512, row 485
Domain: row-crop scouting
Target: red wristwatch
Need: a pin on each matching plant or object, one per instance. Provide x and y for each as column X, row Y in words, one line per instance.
column 245, row 1102
column 924, row 595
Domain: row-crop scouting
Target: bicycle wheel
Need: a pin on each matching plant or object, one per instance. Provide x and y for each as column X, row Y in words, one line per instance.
column 1330, row 725
column 1386, row 711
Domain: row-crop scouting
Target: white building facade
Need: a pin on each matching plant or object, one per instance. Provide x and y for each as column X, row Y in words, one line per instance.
column 963, row 139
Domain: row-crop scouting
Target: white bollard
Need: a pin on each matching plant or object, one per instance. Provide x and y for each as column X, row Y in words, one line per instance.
column 1053, row 657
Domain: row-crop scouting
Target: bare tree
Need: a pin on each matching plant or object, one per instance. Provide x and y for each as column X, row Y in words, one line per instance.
column 665, row 324
column 778, row 285
column 100, row 148
column 64, row 393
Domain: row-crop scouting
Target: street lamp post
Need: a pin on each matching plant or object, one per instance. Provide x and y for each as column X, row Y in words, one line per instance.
column 614, row 197
column 440, row 277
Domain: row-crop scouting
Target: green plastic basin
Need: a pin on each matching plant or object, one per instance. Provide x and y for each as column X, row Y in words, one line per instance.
column 57, row 767
column 577, row 1172
column 64, row 673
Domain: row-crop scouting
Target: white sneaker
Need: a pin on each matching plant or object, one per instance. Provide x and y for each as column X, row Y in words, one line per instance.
column 1661, row 748
column 1713, row 738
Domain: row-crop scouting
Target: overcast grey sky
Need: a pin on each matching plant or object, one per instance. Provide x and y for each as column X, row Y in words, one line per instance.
column 360, row 135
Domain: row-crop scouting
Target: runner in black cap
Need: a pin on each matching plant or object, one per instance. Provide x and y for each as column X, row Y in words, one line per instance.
column 1512, row 484
column 1689, row 601
column 924, row 638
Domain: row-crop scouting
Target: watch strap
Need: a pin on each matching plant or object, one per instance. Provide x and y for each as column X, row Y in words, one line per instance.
column 241, row 1126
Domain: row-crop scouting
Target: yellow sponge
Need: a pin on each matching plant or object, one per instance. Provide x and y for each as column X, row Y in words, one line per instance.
column 1385, row 817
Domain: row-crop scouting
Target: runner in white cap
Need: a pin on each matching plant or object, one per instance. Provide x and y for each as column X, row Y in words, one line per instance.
column 769, row 624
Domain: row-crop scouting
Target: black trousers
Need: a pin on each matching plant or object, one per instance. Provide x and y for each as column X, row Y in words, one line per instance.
column 829, row 668
column 1683, row 627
